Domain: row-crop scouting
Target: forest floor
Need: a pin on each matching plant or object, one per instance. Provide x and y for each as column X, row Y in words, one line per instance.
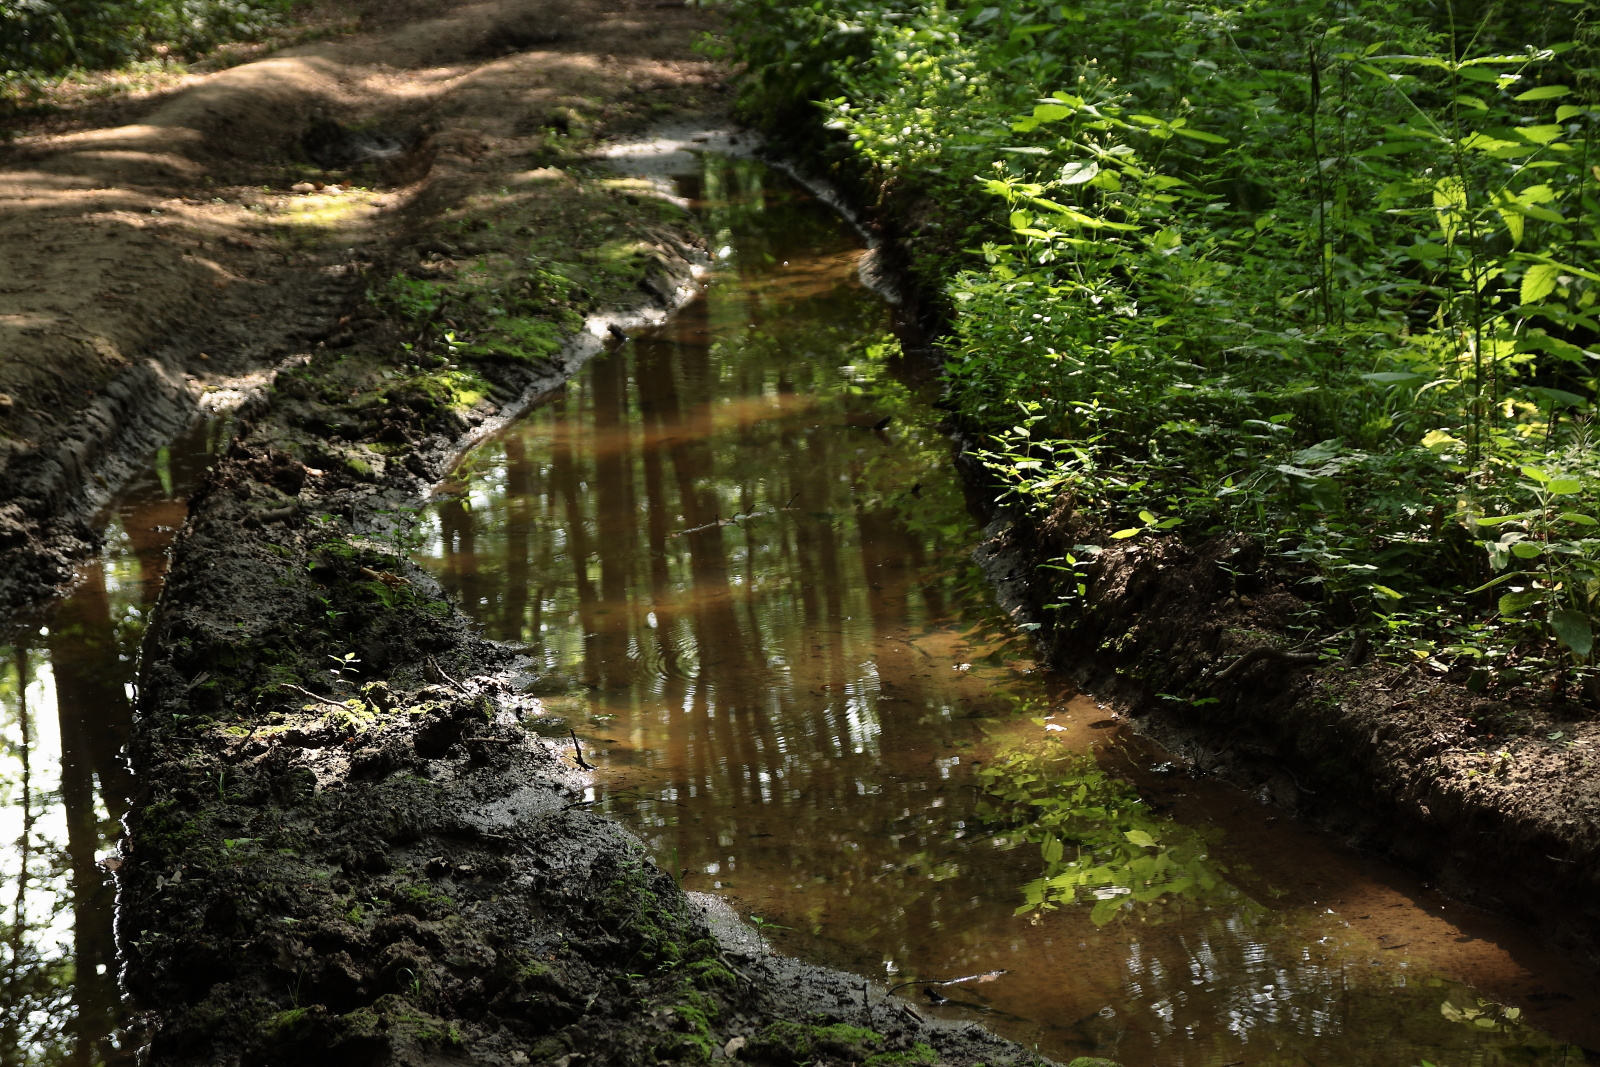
column 375, row 247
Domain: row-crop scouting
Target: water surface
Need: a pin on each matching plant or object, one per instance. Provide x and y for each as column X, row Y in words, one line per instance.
column 67, row 675
column 738, row 555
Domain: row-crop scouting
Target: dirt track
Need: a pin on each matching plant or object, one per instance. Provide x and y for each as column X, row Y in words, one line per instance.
column 306, row 876
column 157, row 251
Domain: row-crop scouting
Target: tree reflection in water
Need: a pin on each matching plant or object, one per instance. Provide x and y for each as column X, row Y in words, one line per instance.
column 761, row 613
column 66, row 701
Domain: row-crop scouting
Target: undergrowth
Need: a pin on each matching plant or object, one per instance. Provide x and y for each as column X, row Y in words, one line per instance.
column 1322, row 273
column 43, row 40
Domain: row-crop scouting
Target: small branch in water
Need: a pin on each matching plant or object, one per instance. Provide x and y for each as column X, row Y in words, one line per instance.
column 986, row 976
column 578, row 748
column 752, row 514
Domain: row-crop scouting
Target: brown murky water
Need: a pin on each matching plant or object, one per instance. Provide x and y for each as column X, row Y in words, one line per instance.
column 66, row 701
column 751, row 596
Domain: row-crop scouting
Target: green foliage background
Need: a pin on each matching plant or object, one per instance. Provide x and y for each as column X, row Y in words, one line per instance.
column 1319, row 271
column 46, row 38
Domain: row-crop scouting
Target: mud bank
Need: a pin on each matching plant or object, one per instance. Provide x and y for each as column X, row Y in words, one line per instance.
column 1493, row 798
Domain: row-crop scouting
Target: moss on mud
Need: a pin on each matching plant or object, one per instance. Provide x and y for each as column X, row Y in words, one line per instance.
column 793, row 1042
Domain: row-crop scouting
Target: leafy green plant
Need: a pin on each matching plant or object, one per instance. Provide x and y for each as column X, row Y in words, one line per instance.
column 1560, row 572
column 762, row 926
column 1316, row 273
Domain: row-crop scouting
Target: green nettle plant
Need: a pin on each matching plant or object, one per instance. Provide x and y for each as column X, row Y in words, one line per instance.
column 1320, row 272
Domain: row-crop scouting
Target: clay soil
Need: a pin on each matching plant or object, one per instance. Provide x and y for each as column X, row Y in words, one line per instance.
column 373, row 247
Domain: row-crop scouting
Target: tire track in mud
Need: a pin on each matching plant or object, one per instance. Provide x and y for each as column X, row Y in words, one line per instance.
column 199, row 239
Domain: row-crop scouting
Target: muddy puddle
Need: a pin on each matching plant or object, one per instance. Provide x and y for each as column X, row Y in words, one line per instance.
column 737, row 555
column 67, row 677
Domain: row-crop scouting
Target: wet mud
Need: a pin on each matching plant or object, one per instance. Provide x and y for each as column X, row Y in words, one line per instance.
column 1494, row 799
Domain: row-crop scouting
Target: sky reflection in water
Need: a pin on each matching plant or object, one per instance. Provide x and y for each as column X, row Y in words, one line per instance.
column 760, row 613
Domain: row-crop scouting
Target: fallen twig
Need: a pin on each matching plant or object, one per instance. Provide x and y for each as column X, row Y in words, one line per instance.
column 314, row 696
column 578, row 748
column 1265, row 652
column 751, row 514
column 433, row 665
column 986, row 976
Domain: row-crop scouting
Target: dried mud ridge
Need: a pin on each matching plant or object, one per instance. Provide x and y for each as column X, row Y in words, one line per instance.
column 1496, row 800
column 389, row 868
